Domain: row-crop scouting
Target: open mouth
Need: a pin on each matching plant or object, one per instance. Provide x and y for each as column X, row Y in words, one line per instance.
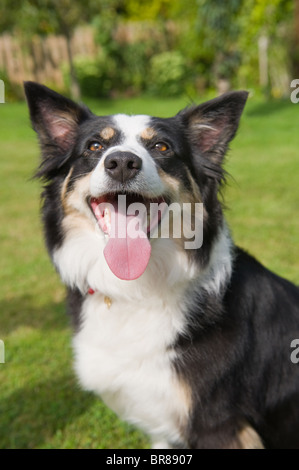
column 147, row 212
column 128, row 220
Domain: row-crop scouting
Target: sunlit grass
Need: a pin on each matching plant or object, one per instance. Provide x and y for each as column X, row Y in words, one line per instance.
column 41, row 405
column 263, row 196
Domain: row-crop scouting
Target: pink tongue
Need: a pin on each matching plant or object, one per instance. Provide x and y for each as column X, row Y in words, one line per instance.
column 128, row 251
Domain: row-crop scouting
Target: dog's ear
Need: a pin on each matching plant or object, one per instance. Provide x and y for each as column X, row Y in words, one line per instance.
column 212, row 125
column 54, row 118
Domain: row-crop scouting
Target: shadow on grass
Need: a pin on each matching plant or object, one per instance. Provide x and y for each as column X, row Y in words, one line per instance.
column 47, row 416
column 268, row 107
column 25, row 311
column 31, row 416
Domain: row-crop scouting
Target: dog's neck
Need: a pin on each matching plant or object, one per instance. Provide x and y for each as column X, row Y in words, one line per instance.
column 212, row 279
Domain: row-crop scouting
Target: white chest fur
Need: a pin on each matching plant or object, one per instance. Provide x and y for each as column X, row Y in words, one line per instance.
column 124, row 354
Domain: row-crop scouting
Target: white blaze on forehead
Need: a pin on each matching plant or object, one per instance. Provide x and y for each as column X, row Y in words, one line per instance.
column 131, row 128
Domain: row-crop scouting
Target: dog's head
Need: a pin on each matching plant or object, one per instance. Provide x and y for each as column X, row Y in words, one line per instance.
column 121, row 173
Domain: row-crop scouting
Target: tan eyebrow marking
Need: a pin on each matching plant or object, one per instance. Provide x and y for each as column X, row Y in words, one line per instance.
column 107, row 133
column 148, row 133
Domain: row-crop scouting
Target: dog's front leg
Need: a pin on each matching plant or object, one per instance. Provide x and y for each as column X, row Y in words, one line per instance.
column 244, row 437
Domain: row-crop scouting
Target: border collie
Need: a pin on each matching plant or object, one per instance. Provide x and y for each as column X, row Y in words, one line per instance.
column 191, row 344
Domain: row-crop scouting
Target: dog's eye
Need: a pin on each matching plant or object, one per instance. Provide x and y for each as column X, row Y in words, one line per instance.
column 95, row 146
column 161, row 147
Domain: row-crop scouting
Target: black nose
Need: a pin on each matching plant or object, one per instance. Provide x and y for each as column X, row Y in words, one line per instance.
column 122, row 166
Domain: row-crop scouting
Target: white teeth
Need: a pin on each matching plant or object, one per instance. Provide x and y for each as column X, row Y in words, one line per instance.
column 107, row 219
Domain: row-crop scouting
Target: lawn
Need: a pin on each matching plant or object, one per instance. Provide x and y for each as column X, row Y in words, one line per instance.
column 41, row 405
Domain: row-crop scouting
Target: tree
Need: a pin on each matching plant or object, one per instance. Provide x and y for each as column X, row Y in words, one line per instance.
column 52, row 16
column 148, row 9
column 265, row 33
column 9, row 12
column 295, row 55
column 219, row 29
column 60, row 17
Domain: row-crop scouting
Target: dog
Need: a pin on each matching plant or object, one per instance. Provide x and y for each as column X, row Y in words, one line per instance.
column 190, row 343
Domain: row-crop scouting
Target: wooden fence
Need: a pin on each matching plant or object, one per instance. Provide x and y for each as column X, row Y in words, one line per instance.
column 42, row 58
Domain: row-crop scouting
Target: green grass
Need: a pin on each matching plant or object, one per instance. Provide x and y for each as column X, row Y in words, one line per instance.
column 41, row 405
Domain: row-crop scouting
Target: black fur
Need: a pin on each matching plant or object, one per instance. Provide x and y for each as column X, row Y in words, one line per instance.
column 237, row 360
